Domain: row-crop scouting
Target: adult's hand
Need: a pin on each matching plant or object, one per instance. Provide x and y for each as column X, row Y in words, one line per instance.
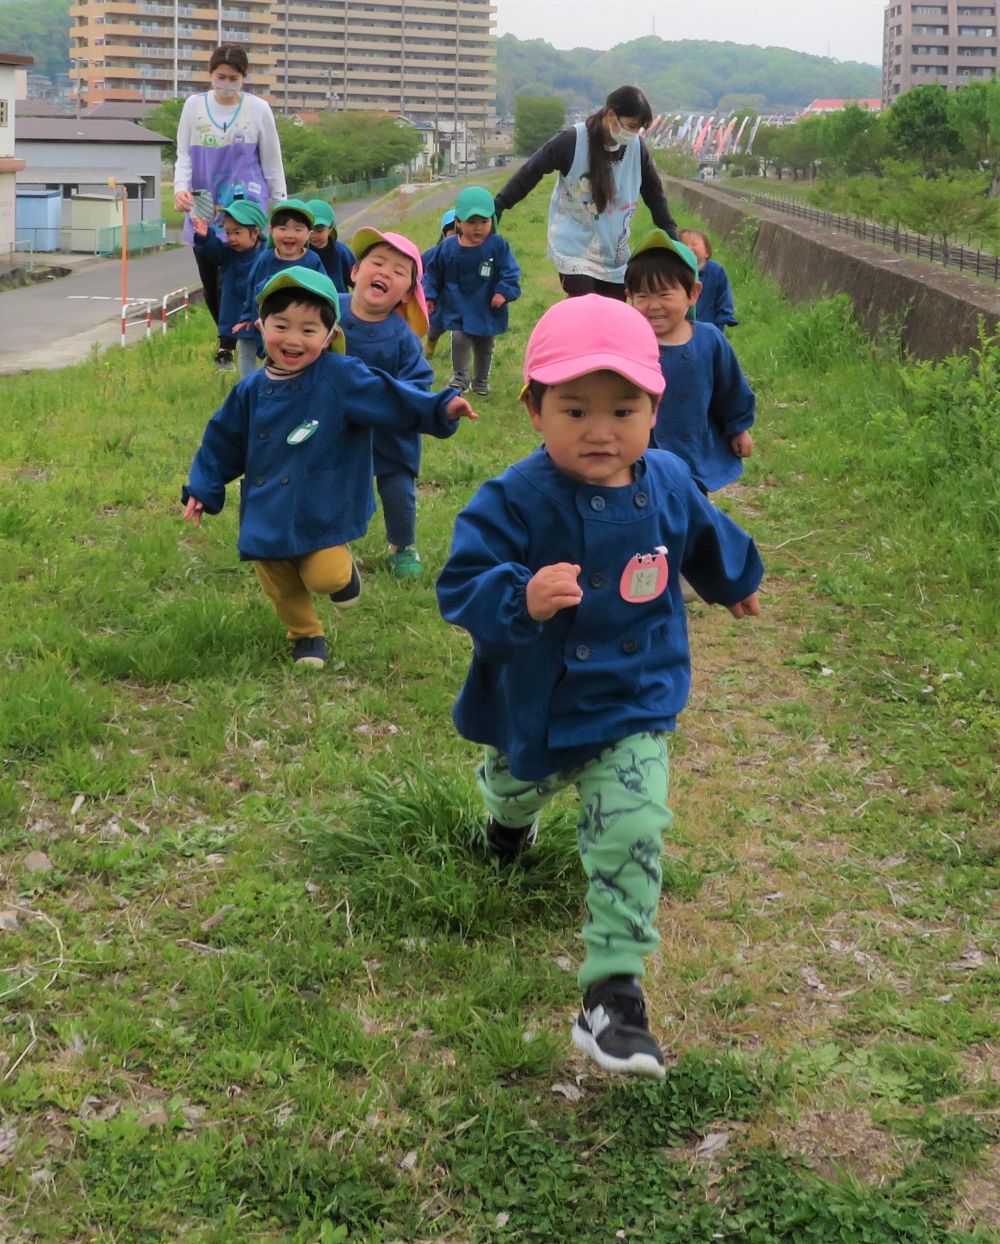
column 183, row 201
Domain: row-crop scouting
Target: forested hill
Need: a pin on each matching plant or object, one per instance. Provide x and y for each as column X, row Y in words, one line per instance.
column 38, row 28
column 693, row 73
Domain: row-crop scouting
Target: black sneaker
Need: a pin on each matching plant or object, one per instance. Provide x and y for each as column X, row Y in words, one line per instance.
column 224, row 360
column 612, row 1028
column 349, row 595
column 506, row 845
column 310, row 651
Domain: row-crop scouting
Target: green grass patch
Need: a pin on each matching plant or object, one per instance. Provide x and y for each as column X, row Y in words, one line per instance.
column 266, row 986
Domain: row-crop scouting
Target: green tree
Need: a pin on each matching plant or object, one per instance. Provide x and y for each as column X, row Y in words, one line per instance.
column 949, row 205
column 343, row 147
column 975, row 114
column 920, row 127
column 536, row 119
column 854, row 141
column 163, row 120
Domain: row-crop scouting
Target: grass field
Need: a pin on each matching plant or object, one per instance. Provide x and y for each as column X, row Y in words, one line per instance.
column 256, row 987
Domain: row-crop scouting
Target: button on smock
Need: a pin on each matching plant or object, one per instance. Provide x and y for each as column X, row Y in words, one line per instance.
column 582, row 652
column 597, row 503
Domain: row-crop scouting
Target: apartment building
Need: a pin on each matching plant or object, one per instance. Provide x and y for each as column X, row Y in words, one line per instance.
column 952, row 42
column 159, row 49
column 425, row 58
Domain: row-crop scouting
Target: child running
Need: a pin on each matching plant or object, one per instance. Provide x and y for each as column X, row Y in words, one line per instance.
column 565, row 571
column 708, row 408
column 715, row 302
column 242, row 224
column 473, row 276
column 290, row 223
column 435, row 329
column 383, row 321
column 299, row 433
column 337, row 258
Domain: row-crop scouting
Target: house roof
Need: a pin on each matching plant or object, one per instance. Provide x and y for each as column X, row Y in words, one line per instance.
column 837, row 105
column 81, row 130
column 119, row 109
column 12, row 58
column 67, row 175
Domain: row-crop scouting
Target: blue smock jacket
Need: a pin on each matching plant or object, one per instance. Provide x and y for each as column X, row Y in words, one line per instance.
column 715, row 302
column 392, row 346
column 707, row 401
column 338, row 260
column 265, row 266
column 236, row 267
column 317, row 493
column 553, row 694
column 461, row 281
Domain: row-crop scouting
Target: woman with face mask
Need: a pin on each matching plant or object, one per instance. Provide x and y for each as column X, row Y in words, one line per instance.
column 604, row 169
column 227, row 149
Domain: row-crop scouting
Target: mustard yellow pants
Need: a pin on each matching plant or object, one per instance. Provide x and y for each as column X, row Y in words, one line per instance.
column 289, row 586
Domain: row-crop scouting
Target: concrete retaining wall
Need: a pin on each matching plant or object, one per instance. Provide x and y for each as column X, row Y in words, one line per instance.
column 936, row 310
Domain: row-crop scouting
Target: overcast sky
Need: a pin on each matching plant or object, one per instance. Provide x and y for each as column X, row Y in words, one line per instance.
column 844, row 29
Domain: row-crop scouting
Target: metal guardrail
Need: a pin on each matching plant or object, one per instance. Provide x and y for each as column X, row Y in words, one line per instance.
column 351, row 189
column 80, row 239
column 975, row 262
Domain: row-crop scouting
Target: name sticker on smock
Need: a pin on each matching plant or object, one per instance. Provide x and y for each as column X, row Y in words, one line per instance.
column 302, row 432
column 486, row 268
column 645, row 577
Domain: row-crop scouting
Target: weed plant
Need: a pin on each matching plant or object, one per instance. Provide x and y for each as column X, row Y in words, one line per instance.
column 264, row 985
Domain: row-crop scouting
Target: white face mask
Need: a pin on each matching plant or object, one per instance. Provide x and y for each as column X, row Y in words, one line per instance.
column 225, row 89
column 622, row 137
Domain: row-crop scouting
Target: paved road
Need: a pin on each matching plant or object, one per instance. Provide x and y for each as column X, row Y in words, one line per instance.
column 58, row 323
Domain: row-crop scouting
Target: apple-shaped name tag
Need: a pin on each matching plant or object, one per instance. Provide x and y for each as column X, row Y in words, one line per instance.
column 645, row 577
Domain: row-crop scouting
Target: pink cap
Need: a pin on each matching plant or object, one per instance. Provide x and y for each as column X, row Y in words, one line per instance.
column 414, row 310
column 594, row 333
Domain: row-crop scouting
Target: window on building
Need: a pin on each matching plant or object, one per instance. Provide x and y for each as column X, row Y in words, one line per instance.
column 977, row 32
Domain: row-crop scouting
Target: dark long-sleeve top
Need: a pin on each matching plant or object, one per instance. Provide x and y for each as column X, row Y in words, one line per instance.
column 553, row 694
column 715, row 302
column 338, row 260
column 304, row 449
column 236, row 267
column 556, row 156
column 707, row 401
column 389, row 345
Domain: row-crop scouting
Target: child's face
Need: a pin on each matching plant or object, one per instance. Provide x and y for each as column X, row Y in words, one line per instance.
column 696, row 243
column 319, row 235
column 290, row 239
column 294, row 338
column 475, row 230
column 666, row 308
column 239, row 237
column 382, row 280
column 595, row 428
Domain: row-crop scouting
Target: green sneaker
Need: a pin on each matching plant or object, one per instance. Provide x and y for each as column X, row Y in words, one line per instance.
column 406, row 564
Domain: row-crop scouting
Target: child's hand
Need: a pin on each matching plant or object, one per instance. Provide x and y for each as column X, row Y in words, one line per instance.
column 553, row 588
column 430, row 307
column 497, row 301
column 459, row 408
column 238, row 328
column 193, row 511
column 200, row 226
column 742, row 444
column 183, row 201
column 748, row 608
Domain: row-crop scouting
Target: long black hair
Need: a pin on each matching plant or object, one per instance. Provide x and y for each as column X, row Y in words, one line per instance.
column 626, row 101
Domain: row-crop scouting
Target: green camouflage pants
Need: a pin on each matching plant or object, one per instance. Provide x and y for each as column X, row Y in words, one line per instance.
column 623, row 817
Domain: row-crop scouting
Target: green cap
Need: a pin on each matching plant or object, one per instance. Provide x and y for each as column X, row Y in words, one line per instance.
column 292, row 205
column 475, row 201
column 312, row 282
column 246, row 213
column 657, row 239
column 322, row 213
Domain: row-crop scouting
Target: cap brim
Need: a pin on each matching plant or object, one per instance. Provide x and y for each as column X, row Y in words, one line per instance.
column 649, row 379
